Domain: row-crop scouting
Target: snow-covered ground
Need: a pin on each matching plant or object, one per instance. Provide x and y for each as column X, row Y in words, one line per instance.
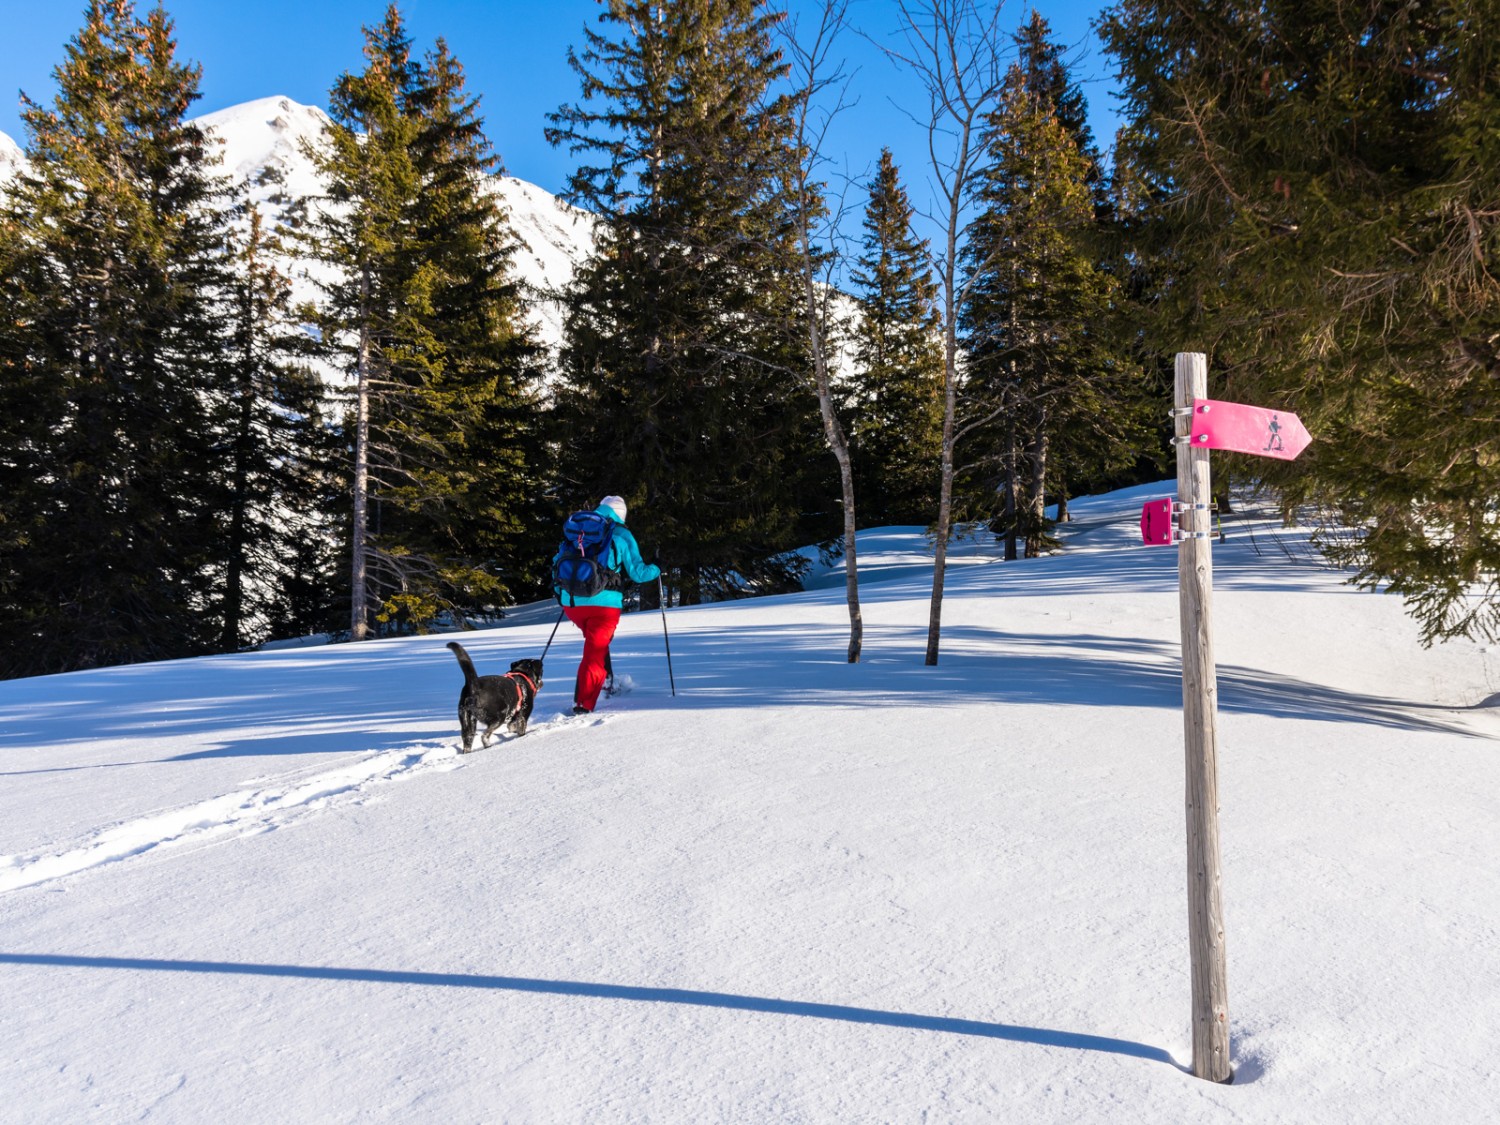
column 267, row 888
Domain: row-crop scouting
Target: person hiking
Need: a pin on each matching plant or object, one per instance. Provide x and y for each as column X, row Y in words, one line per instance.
column 597, row 614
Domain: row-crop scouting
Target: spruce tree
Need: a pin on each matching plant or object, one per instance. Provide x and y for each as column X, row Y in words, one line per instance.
column 500, row 474
column 114, row 281
column 359, row 231
column 1054, row 393
column 682, row 385
column 898, row 381
column 277, row 519
column 1050, row 82
column 1316, row 185
column 423, row 317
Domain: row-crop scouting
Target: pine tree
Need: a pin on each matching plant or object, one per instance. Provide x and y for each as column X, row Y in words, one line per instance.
column 277, row 518
column 1050, row 83
column 423, row 316
column 1056, row 394
column 364, row 315
column 898, row 384
column 682, row 384
column 1316, row 184
column 496, row 514
column 114, row 281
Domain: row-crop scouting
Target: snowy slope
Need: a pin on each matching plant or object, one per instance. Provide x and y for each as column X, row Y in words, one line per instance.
column 11, row 157
column 260, row 887
column 263, row 141
column 264, row 147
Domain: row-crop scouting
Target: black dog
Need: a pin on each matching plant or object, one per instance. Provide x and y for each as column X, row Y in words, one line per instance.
column 493, row 701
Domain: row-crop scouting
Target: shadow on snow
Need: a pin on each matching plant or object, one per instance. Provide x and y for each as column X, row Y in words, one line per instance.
column 785, row 664
column 1044, row 1037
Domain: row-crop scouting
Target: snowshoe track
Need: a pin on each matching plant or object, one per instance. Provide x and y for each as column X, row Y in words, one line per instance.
column 280, row 802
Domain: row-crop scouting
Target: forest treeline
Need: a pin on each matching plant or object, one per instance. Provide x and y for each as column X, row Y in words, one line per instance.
column 192, row 460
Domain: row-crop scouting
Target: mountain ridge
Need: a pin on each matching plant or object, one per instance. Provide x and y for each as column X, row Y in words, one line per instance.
column 262, row 150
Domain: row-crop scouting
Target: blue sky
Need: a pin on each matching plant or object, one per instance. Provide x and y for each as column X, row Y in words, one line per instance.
column 515, row 55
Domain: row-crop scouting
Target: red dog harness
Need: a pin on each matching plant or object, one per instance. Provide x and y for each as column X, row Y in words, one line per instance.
column 524, row 676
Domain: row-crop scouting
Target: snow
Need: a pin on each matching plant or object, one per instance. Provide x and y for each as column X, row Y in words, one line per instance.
column 267, row 135
column 11, row 158
column 270, row 135
column 551, row 239
column 267, row 886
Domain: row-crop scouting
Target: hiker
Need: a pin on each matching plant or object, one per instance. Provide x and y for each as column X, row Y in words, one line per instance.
column 598, row 614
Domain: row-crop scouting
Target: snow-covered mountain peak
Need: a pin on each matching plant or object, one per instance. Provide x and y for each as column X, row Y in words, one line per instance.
column 263, row 147
column 267, row 135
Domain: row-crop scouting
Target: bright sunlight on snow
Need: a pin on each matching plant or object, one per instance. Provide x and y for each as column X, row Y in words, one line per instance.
column 267, row 887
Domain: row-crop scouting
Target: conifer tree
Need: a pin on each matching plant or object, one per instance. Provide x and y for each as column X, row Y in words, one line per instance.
column 499, row 476
column 682, row 385
column 114, row 282
column 423, row 316
column 1316, row 185
column 277, row 519
column 898, row 381
column 365, row 312
column 1055, row 396
column 1050, row 82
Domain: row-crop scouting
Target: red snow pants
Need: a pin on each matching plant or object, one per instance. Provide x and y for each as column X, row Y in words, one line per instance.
column 598, row 624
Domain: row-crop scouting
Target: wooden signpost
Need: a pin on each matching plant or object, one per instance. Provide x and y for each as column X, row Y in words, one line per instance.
column 1204, row 424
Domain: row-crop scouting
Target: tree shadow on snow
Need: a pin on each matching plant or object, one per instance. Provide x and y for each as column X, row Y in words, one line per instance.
column 792, row 665
column 355, row 740
column 263, row 704
column 1039, row 1036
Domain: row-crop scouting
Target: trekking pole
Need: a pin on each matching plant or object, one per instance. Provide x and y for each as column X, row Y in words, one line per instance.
column 661, row 597
column 554, row 633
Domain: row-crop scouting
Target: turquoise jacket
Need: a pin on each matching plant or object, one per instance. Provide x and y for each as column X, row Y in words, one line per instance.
column 624, row 557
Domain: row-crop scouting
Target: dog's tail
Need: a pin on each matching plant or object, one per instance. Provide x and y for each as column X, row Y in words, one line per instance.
column 464, row 662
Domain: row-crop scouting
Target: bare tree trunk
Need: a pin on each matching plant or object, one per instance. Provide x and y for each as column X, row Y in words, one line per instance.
column 1036, row 519
column 956, row 49
column 359, row 618
column 945, row 486
column 234, row 577
column 809, row 59
column 1012, row 483
column 838, row 442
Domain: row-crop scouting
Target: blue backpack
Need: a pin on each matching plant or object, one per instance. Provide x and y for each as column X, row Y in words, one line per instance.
column 582, row 567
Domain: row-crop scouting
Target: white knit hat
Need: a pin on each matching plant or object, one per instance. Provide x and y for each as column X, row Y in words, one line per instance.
column 616, row 503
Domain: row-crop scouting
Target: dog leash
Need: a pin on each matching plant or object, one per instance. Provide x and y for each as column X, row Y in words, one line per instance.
column 554, row 633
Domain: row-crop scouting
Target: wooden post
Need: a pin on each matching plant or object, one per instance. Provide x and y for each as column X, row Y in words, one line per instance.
column 1199, row 715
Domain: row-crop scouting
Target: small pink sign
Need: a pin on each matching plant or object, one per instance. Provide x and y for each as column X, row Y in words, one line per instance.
column 1247, row 429
column 1156, row 523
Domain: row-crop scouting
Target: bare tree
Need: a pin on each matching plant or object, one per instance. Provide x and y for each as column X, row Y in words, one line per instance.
column 957, row 50
column 817, row 81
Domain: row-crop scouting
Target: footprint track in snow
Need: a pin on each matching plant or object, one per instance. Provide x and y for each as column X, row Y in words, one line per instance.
column 267, row 804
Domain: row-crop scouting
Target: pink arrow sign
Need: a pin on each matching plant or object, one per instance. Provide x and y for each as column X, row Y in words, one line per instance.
column 1156, row 523
column 1248, row 429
